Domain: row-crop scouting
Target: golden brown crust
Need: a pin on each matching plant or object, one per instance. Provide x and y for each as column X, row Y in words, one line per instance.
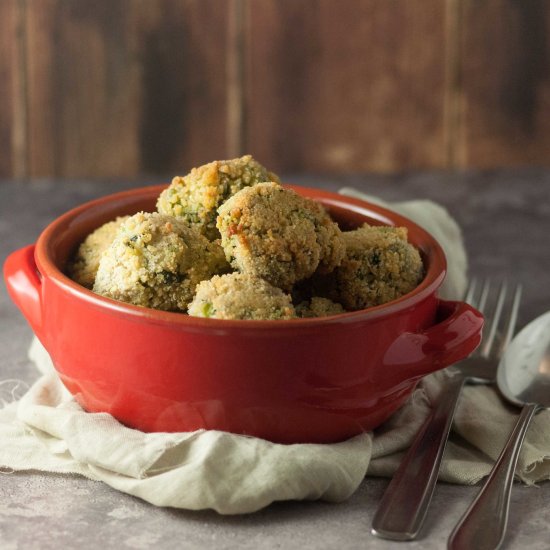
column 197, row 196
column 156, row 261
column 269, row 234
column 379, row 266
column 318, row 307
column 239, row 296
column 275, row 234
column 84, row 265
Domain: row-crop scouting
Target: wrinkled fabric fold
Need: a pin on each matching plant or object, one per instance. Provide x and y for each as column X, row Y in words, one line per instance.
column 47, row 430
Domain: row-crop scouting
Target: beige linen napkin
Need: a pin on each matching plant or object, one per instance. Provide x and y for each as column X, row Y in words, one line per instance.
column 46, row 430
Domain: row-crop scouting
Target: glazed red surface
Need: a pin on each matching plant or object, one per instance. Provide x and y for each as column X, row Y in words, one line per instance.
column 304, row 380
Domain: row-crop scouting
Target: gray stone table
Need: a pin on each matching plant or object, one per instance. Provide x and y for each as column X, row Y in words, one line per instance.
column 506, row 222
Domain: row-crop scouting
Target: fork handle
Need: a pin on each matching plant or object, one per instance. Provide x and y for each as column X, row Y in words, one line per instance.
column 403, row 507
column 484, row 523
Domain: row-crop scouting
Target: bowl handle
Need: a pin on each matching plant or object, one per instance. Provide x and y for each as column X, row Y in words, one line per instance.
column 24, row 284
column 456, row 334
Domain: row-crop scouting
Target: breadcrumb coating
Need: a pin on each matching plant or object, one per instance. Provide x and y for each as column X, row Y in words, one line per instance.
column 278, row 241
column 275, row 234
column 379, row 266
column 84, row 265
column 240, row 296
column 157, row 261
column 318, row 307
column 197, row 196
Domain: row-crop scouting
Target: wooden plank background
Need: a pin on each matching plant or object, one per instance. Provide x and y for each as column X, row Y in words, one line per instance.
column 126, row 88
column 349, row 85
column 12, row 124
column 505, row 53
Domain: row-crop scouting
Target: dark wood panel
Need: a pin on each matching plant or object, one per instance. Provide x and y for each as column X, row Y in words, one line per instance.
column 122, row 87
column 127, row 87
column 505, row 51
column 11, row 137
column 347, row 86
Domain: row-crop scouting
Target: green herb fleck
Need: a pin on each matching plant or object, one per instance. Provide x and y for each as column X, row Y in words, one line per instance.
column 208, row 309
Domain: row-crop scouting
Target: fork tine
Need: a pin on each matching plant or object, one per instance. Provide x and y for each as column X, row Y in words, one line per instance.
column 470, row 292
column 512, row 319
column 489, row 340
column 476, row 296
column 484, row 295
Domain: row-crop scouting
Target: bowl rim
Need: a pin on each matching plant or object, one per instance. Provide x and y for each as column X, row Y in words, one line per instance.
column 433, row 278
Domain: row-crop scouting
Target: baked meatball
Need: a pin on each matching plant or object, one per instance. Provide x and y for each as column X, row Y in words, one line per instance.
column 84, row 265
column 157, row 261
column 275, row 234
column 379, row 265
column 240, row 296
column 318, row 307
column 197, row 196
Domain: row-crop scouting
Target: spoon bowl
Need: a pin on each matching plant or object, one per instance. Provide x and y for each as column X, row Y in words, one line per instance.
column 523, row 378
column 524, row 372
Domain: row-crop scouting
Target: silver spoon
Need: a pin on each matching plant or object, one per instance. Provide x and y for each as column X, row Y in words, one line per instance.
column 524, row 379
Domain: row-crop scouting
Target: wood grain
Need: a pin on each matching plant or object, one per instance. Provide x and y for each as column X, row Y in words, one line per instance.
column 12, row 96
column 235, row 81
column 347, row 86
column 505, row 51
column 121, row 88
column 125, row 87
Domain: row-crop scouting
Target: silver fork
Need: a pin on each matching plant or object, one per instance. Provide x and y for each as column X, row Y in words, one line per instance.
column 403, row 507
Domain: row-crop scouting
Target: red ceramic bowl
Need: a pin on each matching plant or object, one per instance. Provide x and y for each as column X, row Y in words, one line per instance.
column 304, row 380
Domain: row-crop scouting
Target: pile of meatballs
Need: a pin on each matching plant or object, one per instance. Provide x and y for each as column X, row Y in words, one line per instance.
column 229, row 242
